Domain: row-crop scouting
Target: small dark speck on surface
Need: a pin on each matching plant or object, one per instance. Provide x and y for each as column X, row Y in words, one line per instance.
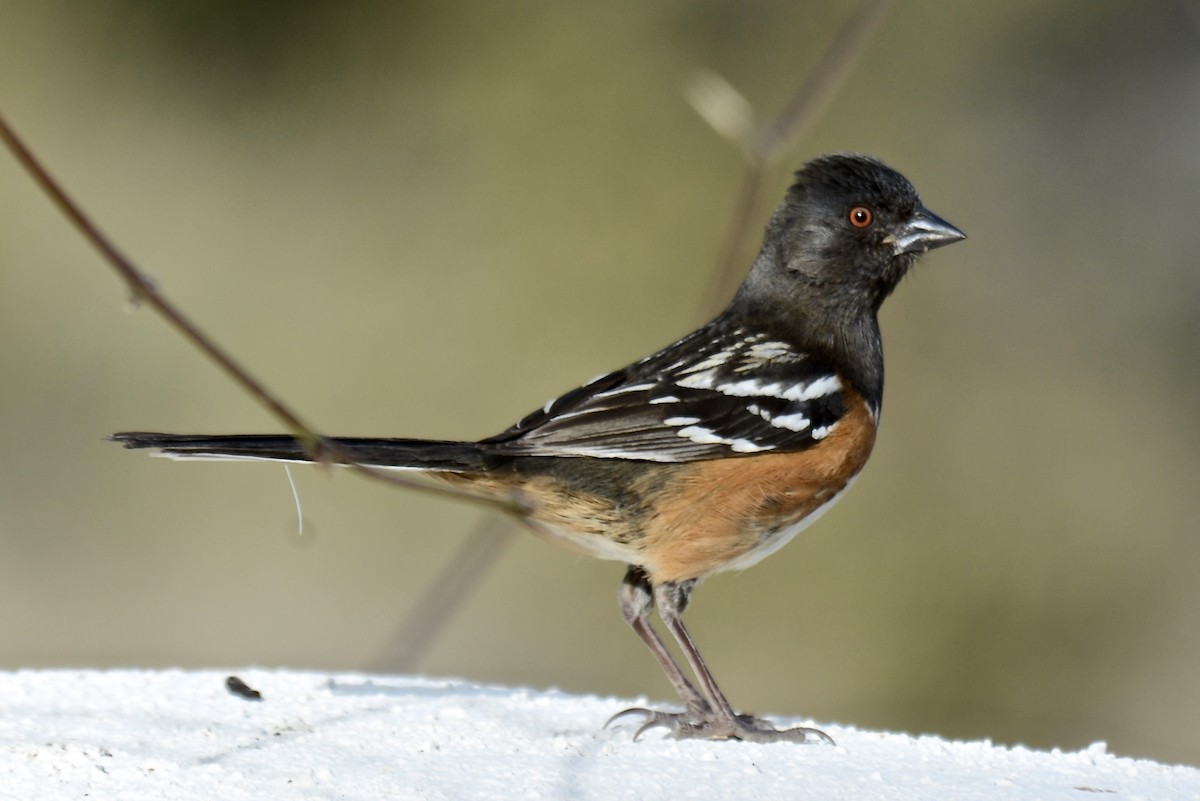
column 240, row 688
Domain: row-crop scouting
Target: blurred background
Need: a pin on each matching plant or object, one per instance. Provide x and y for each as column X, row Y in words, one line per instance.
column 425, row 219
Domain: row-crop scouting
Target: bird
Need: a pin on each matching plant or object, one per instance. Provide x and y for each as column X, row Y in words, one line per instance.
column 711, row 453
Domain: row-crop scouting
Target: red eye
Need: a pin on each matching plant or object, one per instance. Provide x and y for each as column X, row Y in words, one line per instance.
column 861, row 217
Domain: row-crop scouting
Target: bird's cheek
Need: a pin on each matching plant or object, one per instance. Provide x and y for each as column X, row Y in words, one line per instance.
column 807, row 264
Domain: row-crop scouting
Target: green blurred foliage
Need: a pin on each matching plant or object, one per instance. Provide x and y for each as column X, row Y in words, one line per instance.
column 426, row 218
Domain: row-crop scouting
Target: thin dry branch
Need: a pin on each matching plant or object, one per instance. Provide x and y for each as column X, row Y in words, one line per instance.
column 320, row 448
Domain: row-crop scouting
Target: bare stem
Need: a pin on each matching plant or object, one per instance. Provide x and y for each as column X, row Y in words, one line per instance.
column 318, row 447
column 445, row 595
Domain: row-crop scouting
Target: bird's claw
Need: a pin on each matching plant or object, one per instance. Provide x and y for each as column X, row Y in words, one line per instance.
column 710, row 726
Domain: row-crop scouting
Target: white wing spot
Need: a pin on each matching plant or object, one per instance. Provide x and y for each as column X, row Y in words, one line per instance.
column 826, row 385
column 681, row 421
column 821, row 432
column 706, row 436
column 769, row 350
column 709, row 363
column 792, row 422
column 765, row 351
column 751, row 387
column 702, row 436
column 617, row 453
column 622, row 390
column 741, row 445
column 697, row 381
column 558, row 418
column 665, row 399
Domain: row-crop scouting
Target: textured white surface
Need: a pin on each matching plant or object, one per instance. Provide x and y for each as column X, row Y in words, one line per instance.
column 181, row 735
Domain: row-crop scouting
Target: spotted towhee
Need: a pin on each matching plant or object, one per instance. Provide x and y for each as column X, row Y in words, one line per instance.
column 715, row 451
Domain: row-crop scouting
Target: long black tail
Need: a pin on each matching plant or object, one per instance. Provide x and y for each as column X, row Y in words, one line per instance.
column 420, row 454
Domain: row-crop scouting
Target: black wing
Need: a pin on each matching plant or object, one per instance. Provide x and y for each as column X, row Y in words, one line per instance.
column 718, row 392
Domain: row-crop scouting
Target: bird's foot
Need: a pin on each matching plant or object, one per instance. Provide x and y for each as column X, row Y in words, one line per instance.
column 705, row 724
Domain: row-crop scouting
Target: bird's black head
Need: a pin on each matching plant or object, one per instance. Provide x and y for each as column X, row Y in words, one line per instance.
column 848, row 230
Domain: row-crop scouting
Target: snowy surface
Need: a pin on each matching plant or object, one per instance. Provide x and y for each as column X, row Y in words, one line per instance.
column 182, row 735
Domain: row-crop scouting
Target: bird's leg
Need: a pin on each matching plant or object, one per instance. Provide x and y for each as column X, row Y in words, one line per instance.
column 636, row 598
column 722, row 722
column 713, row 718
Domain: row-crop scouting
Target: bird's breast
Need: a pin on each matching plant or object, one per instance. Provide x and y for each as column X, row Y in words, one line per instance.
column 728, row 514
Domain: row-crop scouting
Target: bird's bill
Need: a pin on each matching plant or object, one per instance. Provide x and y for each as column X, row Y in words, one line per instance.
column 924, row 231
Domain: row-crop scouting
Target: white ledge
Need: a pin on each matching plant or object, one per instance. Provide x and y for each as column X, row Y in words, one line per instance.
column 183, row 735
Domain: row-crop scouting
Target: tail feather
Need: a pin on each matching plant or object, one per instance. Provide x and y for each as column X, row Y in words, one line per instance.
column 420, row 454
